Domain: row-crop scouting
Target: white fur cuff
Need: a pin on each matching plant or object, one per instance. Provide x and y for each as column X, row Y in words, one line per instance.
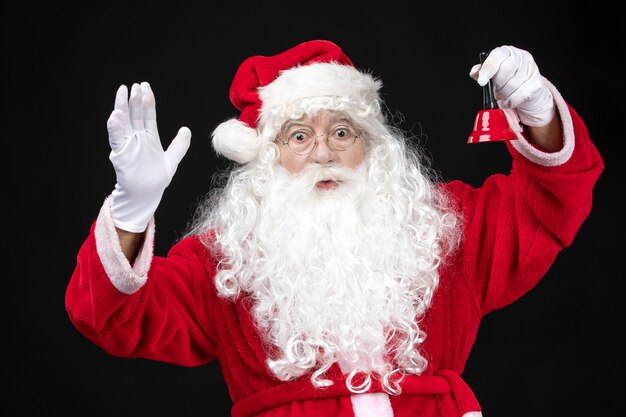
column 123, row 276
column 536, row 155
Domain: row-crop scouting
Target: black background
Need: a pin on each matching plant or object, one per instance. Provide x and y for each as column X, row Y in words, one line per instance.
column 555, row 352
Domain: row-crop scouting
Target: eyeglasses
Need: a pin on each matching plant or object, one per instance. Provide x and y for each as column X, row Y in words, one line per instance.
column 303, row 141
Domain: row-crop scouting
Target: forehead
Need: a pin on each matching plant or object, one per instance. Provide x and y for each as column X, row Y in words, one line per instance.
column 326, row 117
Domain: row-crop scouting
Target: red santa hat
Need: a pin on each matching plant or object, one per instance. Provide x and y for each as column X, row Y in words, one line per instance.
column 266, row 89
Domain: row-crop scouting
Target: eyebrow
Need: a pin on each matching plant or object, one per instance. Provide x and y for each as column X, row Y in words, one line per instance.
column 297, row 123
column 288, row 125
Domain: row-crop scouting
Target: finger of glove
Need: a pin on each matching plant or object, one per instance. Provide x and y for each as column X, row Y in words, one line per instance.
column 121, row 99
column 474, row 71
column 178, row 148
column 491, row 65
column 519, row 80
column 513, row 72
column 136, row 108
column 118, row 124
column 119, row 129
column 149, row 109
column 525, row 95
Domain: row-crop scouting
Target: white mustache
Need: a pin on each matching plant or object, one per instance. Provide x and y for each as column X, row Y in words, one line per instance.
column 315, row 173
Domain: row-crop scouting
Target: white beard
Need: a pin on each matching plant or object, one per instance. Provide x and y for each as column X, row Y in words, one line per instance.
column 333, row 275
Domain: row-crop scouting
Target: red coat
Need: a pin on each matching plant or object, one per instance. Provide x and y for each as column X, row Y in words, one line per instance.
column 167, row 308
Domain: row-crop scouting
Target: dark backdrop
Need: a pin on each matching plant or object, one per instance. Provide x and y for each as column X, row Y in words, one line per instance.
column 555, row 352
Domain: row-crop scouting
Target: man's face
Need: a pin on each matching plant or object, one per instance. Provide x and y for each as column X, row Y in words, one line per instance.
column 327, row 130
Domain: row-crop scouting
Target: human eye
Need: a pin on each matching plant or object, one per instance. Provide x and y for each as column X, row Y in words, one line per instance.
column 300, row 136
column 343, row 133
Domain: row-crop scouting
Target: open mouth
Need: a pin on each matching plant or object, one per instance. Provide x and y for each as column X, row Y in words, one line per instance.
column 326, row 185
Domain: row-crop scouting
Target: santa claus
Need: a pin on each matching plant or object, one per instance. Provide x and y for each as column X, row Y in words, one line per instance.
column 332, row 273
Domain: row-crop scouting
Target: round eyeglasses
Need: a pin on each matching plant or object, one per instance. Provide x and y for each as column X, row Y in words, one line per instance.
column 304, row 141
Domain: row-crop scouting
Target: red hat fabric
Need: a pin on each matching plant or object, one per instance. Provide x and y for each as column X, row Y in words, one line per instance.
column 259, row 71
column 263, row 85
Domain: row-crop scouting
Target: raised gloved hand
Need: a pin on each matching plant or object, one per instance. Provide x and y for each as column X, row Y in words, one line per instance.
column 517, row 84
column 143, row 169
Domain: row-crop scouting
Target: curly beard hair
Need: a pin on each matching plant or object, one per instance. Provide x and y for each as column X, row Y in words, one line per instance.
column 341, row 276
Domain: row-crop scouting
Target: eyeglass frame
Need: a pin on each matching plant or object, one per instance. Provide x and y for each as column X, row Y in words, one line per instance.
column 357, row 135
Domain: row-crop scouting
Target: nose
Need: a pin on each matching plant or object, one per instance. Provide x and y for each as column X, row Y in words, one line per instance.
column 323, row 153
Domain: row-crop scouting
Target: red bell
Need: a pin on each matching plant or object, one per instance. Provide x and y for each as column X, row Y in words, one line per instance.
column 490, row 124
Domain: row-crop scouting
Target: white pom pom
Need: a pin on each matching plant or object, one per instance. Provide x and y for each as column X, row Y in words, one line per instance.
column 236, row 141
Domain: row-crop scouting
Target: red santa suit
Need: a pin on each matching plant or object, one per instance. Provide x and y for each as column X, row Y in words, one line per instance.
column 167, row 308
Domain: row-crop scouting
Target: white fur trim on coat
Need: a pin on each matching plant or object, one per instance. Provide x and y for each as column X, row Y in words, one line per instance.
column 536, row 155
column 371, row 404
column 123, row 276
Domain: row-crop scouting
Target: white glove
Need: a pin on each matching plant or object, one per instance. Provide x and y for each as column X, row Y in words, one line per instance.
column 517, row 84
column 143, row 169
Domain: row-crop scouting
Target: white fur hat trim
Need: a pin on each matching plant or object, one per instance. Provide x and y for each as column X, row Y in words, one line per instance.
column 236, row 141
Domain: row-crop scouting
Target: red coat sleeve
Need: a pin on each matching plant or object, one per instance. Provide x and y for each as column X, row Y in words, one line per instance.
column 516, row 224
column 167, row 319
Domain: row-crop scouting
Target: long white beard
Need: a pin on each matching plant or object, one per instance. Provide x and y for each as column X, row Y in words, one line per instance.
column 334, row 276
